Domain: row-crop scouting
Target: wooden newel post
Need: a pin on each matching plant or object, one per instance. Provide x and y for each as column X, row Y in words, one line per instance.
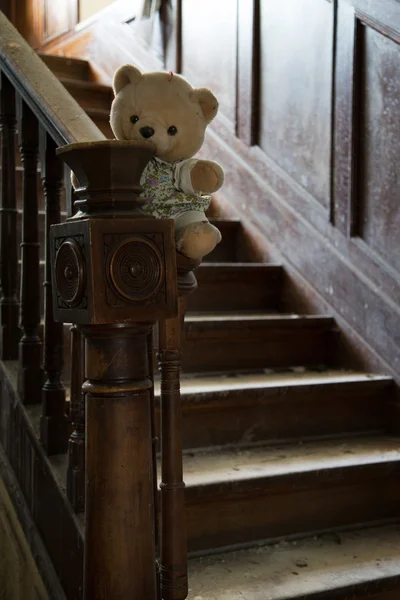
column 114, row 271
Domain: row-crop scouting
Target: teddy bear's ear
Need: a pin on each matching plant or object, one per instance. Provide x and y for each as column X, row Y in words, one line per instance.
column 207, row 101
column 124, row 75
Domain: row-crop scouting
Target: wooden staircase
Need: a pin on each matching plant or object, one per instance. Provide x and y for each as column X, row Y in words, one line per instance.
column 282, row 440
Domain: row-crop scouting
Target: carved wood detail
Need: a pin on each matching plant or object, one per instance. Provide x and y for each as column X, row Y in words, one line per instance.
column 54, row 424
column 30, row 347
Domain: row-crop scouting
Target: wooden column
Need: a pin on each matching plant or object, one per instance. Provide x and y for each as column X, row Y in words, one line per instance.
column 54, row 423
column 76, row 444
column 173, row 562
column 30, row 376
column 114, row 276
column 9, row 309
column 120, row 542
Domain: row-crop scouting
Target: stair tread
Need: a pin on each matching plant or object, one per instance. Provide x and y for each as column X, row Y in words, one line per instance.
column 349, row 560
column 224, row 382
column 239, row 265
column 85, row 85
column 231, row 465
column 235, row 318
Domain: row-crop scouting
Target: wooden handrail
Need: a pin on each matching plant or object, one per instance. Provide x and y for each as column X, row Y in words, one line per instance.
column 61, row 116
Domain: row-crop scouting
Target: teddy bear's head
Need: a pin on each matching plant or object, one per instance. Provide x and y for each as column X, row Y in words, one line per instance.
column 163, row 108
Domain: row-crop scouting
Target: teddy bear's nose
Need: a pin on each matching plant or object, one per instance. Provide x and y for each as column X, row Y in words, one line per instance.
column 146, row 132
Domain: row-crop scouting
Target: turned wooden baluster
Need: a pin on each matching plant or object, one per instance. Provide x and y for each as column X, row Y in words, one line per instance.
column 9, row 308
column 76, row 444
column 54, row 422
column 30, row 375
column 155, row 440
column 173, row 569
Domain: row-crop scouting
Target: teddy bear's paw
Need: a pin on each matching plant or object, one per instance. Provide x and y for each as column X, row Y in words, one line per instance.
column 207, row 176
column 198, row 240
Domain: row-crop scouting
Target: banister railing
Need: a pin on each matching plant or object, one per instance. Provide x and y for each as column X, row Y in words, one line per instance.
column 113, row 288
column 58, row 113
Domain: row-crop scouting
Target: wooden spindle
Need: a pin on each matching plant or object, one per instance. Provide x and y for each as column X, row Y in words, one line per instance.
column 150, row 358
column 54, row 423
column 30, row 375
column 173, row 568
column 9, row 308
column 76, row 444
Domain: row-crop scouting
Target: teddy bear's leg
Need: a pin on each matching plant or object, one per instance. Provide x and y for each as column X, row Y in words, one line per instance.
column 195, row 238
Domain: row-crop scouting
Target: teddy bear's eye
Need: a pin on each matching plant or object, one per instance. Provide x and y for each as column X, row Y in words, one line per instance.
column 172, row 130
column 134, row 119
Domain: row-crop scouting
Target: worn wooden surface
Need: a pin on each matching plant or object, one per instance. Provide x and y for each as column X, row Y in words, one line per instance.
column 45, row 95
column 316, row 191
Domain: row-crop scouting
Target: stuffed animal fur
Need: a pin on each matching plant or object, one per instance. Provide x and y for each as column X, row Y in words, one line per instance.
column 165, row 109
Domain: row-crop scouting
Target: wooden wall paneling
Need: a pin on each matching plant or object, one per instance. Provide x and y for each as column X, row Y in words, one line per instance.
column 366, row 184
column 347, row 63
column 171, row 18
column 29, row 21
column 378, row 177
column 58, row 18
column 248, row 75
column 6, row 6
column 296, row 90
column 209, row 50
column 333, row 268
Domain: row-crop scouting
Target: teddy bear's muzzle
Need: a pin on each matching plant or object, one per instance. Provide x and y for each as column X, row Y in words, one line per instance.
column 146, row 132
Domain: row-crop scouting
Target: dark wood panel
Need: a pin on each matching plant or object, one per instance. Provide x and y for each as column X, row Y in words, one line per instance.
column 379, row 146
column 56, row 19
column 296, row 82
column 209, row 49
column 41, row 21
column 248, row 77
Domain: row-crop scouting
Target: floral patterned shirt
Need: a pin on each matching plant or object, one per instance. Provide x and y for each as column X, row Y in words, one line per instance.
column 168, row 191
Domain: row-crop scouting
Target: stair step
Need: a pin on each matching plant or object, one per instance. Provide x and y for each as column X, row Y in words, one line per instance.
column 349, row 565
column 88, row 94
column 236, row 286
column 248, row 409
column 227, row 249
column 101, row 118
column 241, row 496
column 241, row 341
column 63, row 66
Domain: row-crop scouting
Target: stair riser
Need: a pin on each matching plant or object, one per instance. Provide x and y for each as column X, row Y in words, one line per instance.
column 104, row 126
column 244, row 288
column 226, row 250
column 256, row 349
column 282, row 414
column 69, row 68
column 90, row 98
column 241, row 512
column 277, row 348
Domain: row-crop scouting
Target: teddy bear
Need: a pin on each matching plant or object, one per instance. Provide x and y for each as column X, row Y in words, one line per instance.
column 165, row 109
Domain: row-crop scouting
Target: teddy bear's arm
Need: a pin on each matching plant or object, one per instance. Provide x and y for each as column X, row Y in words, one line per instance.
column 195, row 176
